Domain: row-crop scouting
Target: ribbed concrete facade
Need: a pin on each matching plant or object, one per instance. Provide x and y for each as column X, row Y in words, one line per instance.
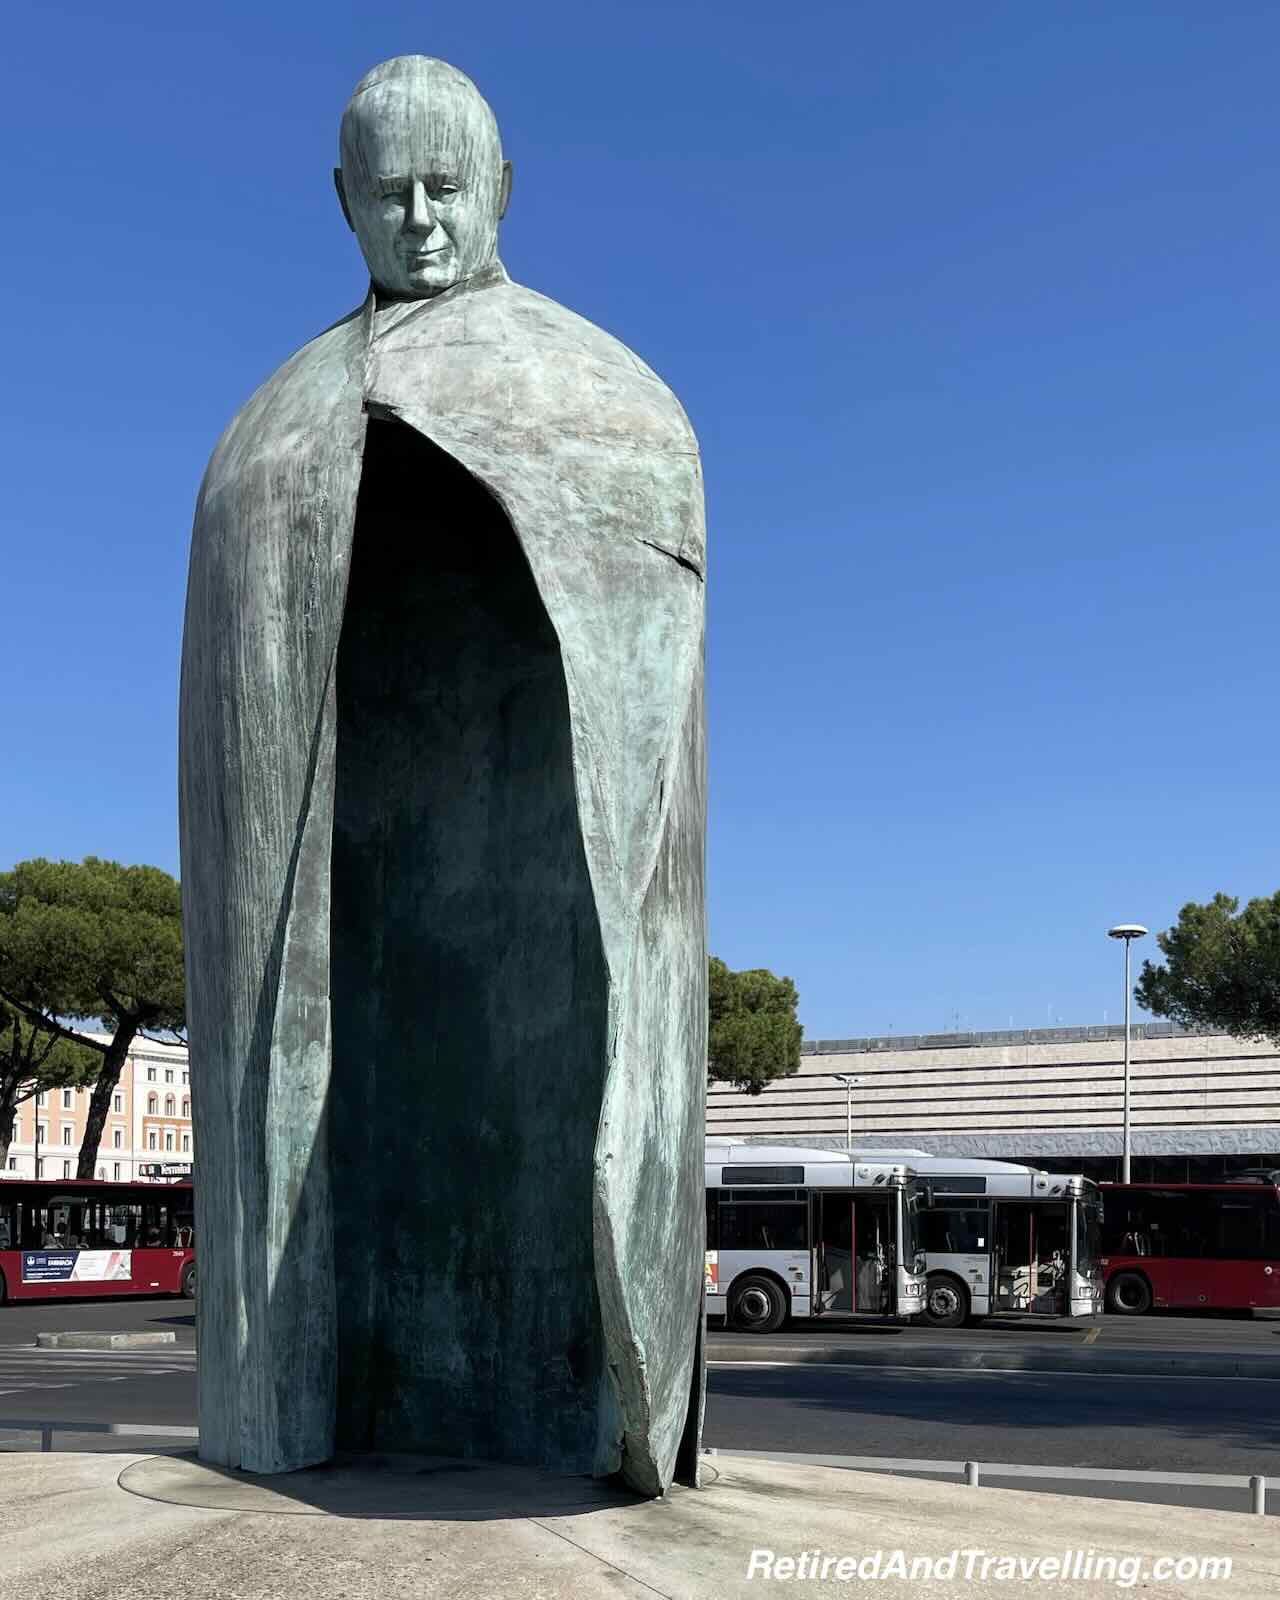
column 1202, row 1104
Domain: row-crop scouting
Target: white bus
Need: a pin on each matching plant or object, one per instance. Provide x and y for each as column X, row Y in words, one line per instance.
column 1002, row 1239
column 808, row 1233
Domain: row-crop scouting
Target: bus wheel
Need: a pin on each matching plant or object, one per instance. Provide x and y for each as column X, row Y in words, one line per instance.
column 946, row 1301
column 758, row 1305
column 1129, row 1293
column 187, row 1284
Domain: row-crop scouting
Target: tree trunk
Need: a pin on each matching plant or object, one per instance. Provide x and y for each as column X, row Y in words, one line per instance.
column 100, row 1100
column 8, row 1110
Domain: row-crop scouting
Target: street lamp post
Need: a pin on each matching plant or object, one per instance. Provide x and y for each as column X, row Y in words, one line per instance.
column 1128, row 931
column 848, row 1081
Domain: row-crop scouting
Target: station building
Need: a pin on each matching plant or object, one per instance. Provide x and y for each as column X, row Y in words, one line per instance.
column 1203, row 1105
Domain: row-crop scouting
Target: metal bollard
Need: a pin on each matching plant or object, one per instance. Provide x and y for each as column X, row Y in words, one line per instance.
column 971, row 1474
column 46, row 1437
column 1258, row 1496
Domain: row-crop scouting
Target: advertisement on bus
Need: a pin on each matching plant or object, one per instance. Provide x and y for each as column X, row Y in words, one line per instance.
column 76, row 1266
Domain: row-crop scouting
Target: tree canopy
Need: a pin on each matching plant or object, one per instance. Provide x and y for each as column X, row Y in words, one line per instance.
column 31, row 1061
column 92, row 942
column 754, row 1036
column 1221, row 968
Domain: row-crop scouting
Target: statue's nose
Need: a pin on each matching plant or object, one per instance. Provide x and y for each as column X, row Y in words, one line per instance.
column 421, row 216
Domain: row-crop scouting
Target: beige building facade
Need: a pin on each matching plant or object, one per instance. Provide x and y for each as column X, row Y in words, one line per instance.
column 149, row 1123
column 1202, row 1105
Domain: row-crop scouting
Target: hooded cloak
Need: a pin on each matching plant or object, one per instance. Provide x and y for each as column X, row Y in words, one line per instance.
column 447, row 964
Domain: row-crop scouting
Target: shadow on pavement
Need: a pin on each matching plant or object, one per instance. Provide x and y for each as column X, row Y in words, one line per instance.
column 397, row 1487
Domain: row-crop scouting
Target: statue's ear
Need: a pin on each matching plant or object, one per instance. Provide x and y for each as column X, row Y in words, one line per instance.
column 342, row 197
column 504, row 191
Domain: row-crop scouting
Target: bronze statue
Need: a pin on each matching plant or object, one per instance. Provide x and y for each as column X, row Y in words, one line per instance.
column 442, row 808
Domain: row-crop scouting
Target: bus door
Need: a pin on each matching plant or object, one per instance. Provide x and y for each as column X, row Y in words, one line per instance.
column 874, row 1256
column 832, row 1236
column 853, row 1254
column 1032, row 1257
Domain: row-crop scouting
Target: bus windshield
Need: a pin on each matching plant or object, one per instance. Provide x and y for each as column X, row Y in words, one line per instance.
column 915, row 1203
column 1089, row 1235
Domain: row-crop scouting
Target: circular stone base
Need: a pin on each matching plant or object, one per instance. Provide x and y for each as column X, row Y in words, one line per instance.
column 427, row 1487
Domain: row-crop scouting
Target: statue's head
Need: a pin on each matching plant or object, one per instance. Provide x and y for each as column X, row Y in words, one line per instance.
column 422, row 180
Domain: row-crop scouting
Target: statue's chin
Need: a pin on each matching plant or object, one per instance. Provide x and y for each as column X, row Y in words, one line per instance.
column 419, row 285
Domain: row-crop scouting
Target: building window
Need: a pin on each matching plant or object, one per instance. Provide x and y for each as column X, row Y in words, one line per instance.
column 186, row 1077
column 117, row 1139
column 42, row 1099
column 152, row 1103
column 13, row 1163
column 66, row 1099
column 40, row 1168
column 186, row 1108
column 66, row 1133
column 186, row 1141
column 115, row 1169
column 42, row 1133
column 168, row 1074
column 168, row 1138
column 168, row 1105
column 117, row 1102
column 151, row 1074
column 13, row 1133
column 66, row 1169
column 151, row 1140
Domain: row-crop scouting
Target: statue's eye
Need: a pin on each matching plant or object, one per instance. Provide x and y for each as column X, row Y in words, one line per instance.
column 445, row 190
column 390, row 188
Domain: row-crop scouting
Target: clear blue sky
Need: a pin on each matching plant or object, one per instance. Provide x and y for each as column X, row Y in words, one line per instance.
column 974, row 309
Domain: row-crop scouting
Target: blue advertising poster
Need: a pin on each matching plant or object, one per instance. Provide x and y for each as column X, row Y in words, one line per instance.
column 48, row 1266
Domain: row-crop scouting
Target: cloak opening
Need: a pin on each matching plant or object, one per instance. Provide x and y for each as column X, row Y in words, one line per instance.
column 469, row 990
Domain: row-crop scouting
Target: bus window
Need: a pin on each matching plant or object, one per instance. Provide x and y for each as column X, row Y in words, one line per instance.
column 121, row 1225
column 954, row 1232
column 1239, row 1232
column 771, row 1226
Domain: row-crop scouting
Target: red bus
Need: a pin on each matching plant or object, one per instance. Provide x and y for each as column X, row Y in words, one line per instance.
column 65, row 1238
column 1191, row 1246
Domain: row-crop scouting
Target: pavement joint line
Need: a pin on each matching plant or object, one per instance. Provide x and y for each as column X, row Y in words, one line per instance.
column 1000, row 1372
column 1001, row 1469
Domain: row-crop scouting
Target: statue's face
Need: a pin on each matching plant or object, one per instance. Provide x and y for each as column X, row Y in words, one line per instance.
column 422, row 180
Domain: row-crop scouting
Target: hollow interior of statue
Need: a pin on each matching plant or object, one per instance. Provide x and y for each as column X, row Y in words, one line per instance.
column 468, row 991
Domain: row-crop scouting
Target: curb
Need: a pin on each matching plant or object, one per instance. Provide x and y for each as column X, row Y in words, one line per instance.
column 103, row 1341
column 1121, row 1363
